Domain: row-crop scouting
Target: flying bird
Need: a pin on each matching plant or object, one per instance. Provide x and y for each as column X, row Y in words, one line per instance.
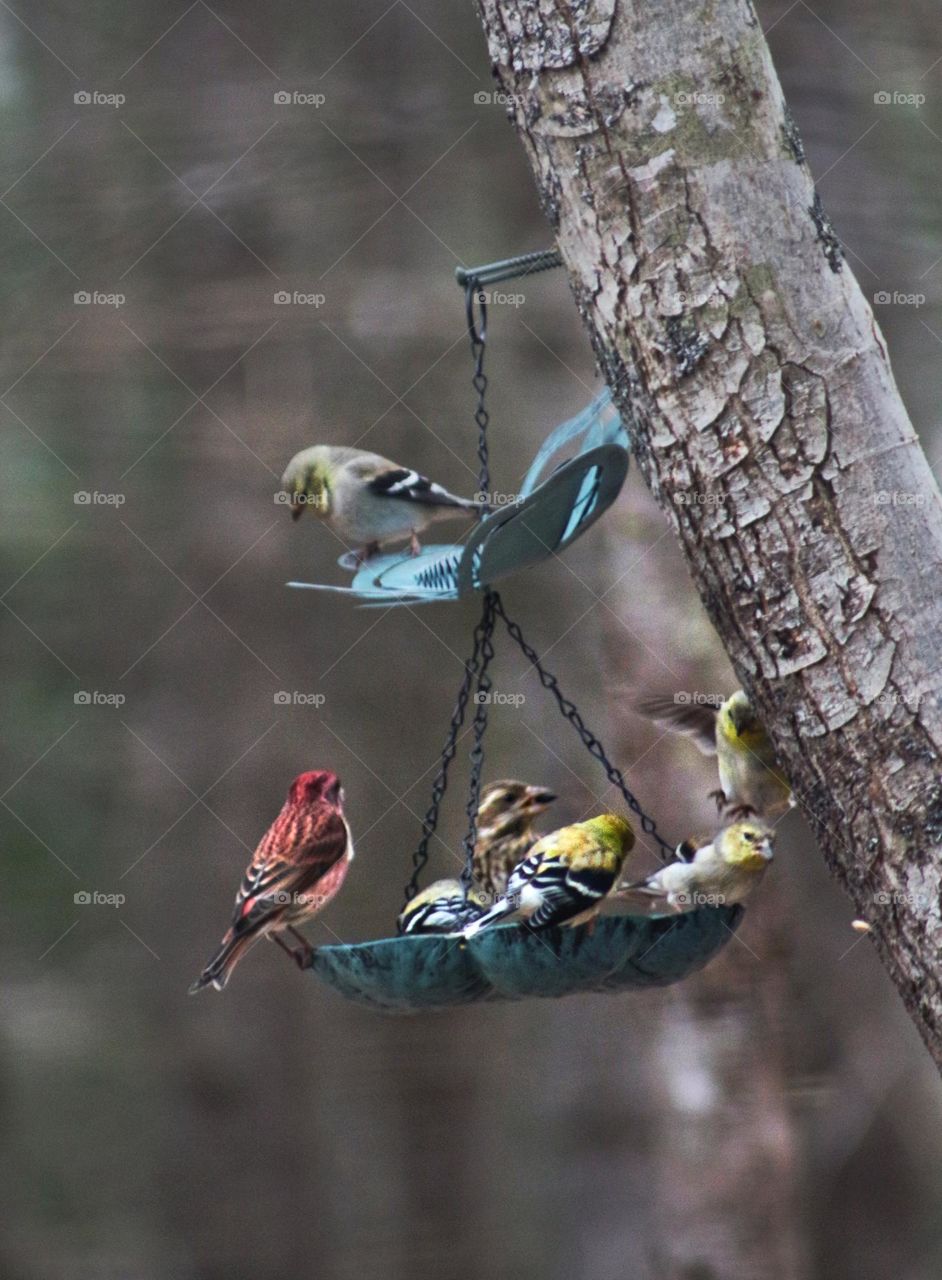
column 565, row 877
column 751, row 778
column 718, row 873
column 300, row 864
column 366, row 499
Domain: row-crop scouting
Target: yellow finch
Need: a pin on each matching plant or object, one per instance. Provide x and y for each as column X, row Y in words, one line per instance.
column 506, row 815
column 442, row 908
column 751, row 778
column 566, row 875
column 366, row 499
column 719, row 873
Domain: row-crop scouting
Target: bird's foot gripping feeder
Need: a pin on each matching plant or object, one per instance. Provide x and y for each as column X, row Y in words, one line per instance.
column 555, row 505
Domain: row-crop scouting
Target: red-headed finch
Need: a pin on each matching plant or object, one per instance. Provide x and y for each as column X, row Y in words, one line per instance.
column 299, row 865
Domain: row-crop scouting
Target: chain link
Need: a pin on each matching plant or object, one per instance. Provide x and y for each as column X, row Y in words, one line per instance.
column 440, row 785
column 482, row 699
column 591, row 742
column 477, row 330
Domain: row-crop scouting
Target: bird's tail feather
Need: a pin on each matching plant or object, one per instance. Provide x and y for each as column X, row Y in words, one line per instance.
column 496, row 913
column 222, row 963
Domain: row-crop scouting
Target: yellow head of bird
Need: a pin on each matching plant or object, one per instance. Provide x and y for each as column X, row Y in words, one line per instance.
column 614, row 831
column 738, row 722
column 307, row 483
column 747, row 845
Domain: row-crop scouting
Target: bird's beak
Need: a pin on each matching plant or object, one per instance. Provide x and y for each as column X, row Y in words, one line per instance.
column 536, row 799
column 765, row 848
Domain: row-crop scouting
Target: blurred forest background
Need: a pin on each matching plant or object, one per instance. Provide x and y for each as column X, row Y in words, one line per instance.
column 776, row 1116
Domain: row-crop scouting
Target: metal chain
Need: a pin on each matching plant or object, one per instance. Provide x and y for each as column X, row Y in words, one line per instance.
column 591, row 742
column 440, row 785
column 477, row 330
column 482, row 699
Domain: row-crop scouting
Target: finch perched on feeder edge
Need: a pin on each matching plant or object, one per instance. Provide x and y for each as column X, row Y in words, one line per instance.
column 299, row 865
column 719, row 873
column 566, row 876
column 366, row 499
column 441, row 908
column 506, row 815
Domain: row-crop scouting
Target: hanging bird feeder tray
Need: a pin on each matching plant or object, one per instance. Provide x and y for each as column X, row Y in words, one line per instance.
column 623, row 953
column 557, row 502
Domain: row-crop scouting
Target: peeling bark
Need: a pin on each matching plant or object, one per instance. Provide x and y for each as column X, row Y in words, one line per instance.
column 765, row 415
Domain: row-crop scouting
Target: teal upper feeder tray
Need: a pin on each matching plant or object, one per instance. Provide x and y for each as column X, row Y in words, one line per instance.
column 623, row 953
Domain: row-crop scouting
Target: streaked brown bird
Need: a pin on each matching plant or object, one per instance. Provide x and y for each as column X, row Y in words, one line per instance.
column 506, row 815
column 298, row 867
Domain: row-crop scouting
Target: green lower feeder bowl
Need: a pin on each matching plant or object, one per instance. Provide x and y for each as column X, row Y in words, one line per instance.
column 622, row 953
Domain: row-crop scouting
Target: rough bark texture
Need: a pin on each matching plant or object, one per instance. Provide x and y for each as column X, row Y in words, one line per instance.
column 765, row 415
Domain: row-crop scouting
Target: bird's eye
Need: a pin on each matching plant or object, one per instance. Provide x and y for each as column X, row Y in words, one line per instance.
column 750, row 837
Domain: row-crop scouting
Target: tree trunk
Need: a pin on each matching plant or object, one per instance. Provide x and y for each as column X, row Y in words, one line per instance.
column 764, row 414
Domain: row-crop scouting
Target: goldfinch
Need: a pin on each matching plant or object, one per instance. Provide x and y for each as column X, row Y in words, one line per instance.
column 442, row 908
column 751, row 778
column 300, row 864
column 506, row 815
column 720, row 873
column 366, row 499
column 565, row 877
